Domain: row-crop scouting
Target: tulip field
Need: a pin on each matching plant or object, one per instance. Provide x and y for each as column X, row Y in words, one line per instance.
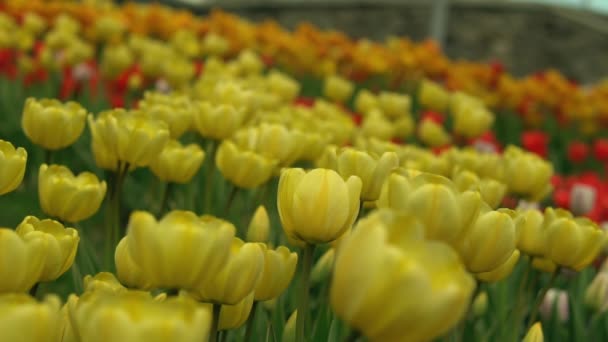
column 168, row 177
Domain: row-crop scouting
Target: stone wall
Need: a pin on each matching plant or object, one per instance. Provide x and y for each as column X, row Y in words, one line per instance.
column 527, row 38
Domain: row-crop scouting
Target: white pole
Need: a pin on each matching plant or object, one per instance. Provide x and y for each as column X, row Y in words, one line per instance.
column 439, row 19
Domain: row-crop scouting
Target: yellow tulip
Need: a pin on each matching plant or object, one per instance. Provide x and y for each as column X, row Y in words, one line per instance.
column 115, row 59
column 273, row 141
column 526, row 174
column 365, row 101
column 177, row 111
column 488, row 242
column 237, row 277
column 109, row 28
column 51, row 124
column 337, row 88
column 234, row 316
column 259, row 226
column 472, row 121
column 218, row 121
column 103, row 281
column 246, row 169
column 492, row 192
column 22, row 318
column 279, row 268
column 531, row 233
column 68, row 197
column 24, row 260
column 61, row 245
column 34, row 23
column 433, row 96
column 596, row 295
column 404, row 126
column 371, row 170
column 502, row 271
column 433, row 134
column 283, row 85
column 12, row 166
column 215, row 45
column 434, row 200
column 181, row 251
column 394, row 105
column 131, row 138
column 535, row 334
column 386, row 273
column 376, row 125
column 177, row 72
column 570, row 242
column 137, row 317
column 249, row 63
column 317, row 206
column 127, row 270
column 177, row 163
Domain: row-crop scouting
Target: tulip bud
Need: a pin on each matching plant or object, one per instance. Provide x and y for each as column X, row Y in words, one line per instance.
column 34, row 23
column 480, row 304
column 68, row 197
column 492, row 192
column 404, row 126
column 273, row 141
column 535, row 334
column 555, row 300
column 596, row 295
column 51, row 124
column 317, row 206
column 115, row 59
column 259, row 227
column 218, row 121
column 215, row 45
column 526, row 174
column 472, row 121
column 289, row 331
column 12, row 166
column 323, row 267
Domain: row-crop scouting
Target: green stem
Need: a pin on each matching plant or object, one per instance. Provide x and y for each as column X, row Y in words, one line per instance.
column 215, row 322
column 165, row 194
column 48, row 157
column 303, row 297
column 209, row 176
column 540, row 298
column 251, row 322
column 230, row 200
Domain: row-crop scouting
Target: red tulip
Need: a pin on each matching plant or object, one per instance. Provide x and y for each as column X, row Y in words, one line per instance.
column 536, row 142
column 600, row 149
column 577, row 151
column 431, row 115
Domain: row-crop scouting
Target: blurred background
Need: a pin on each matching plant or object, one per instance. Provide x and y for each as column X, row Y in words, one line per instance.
column 525, row 36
